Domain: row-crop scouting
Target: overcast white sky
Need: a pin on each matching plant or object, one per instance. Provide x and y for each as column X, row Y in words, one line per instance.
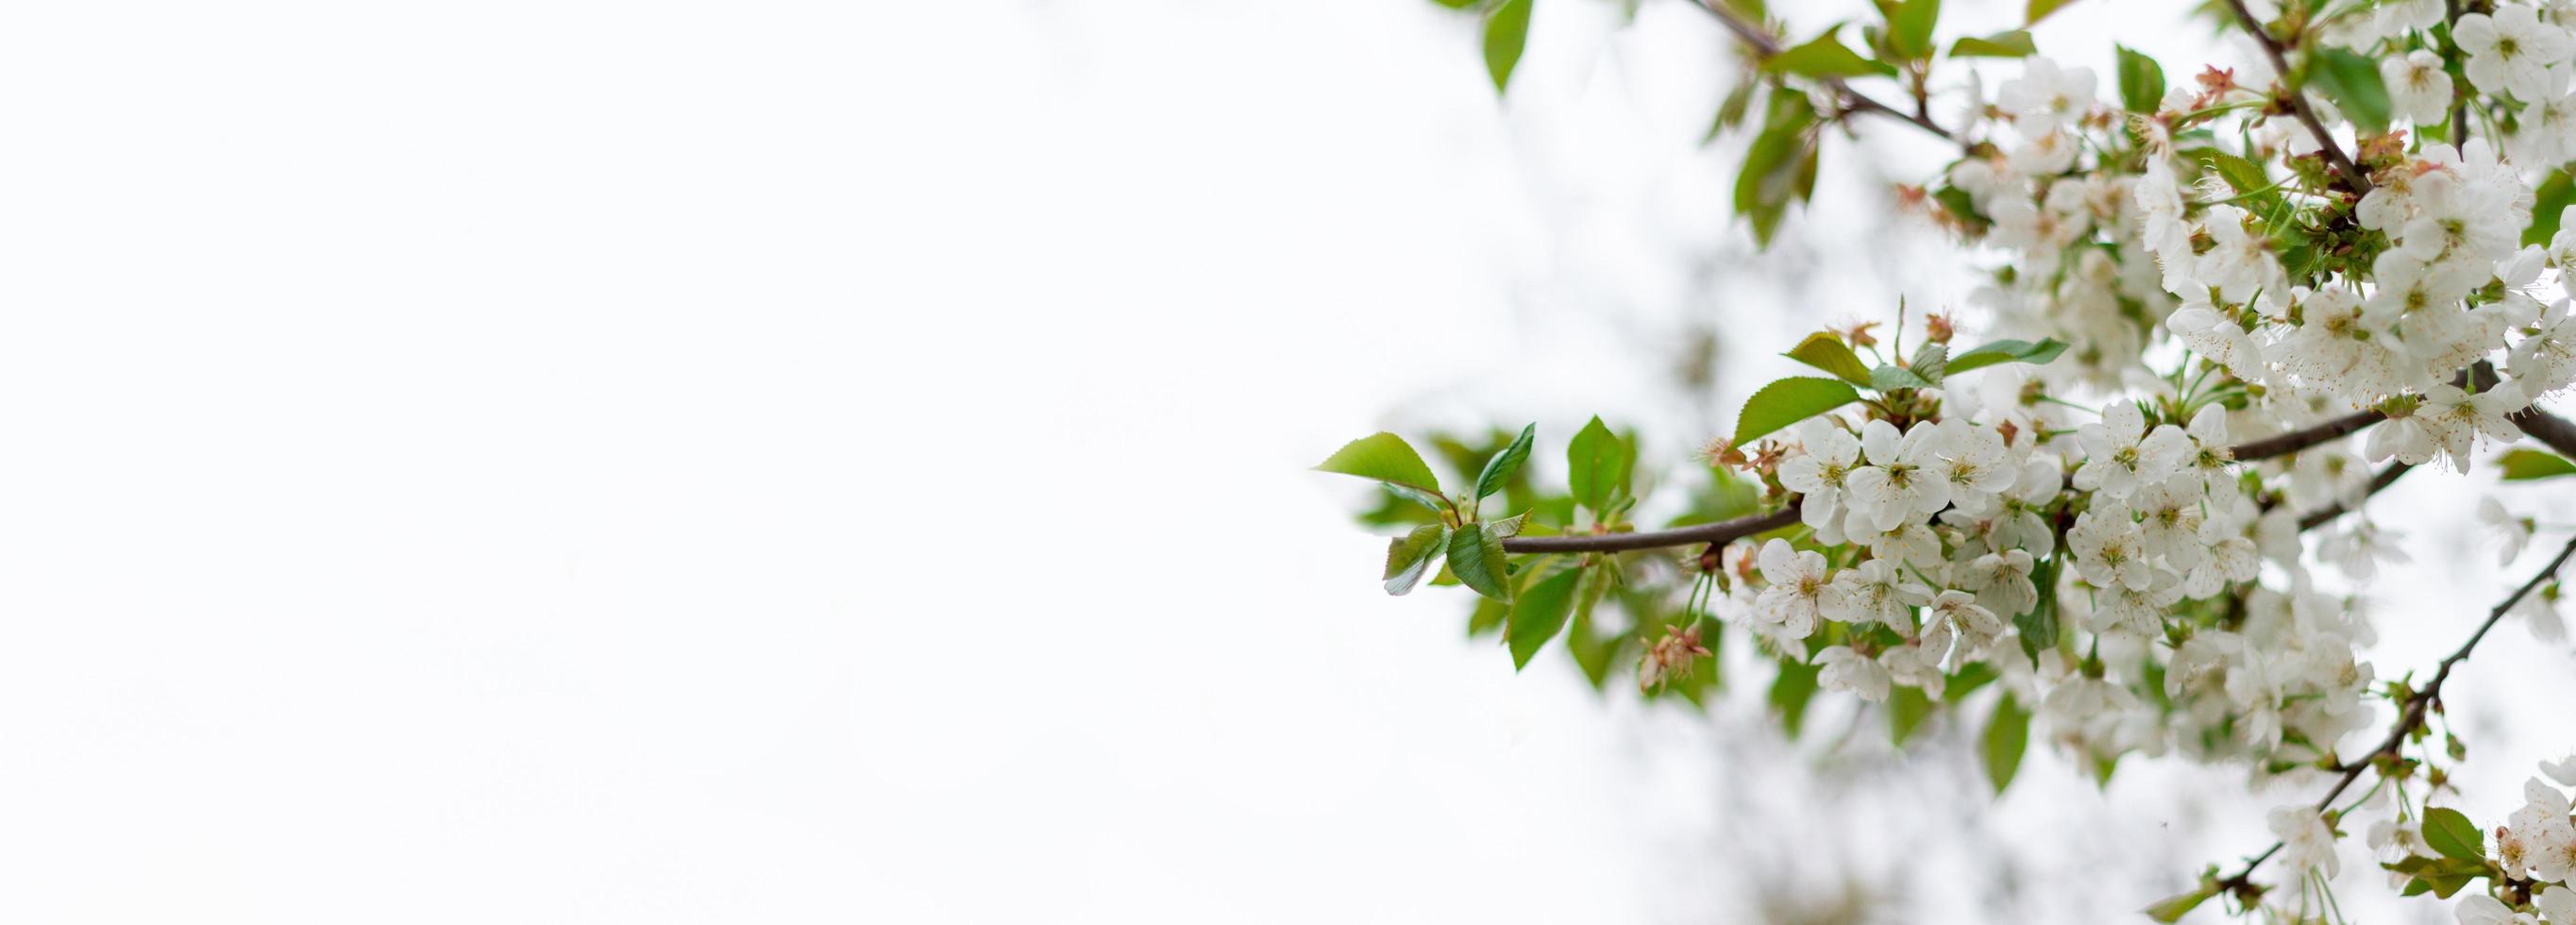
column 804, row 462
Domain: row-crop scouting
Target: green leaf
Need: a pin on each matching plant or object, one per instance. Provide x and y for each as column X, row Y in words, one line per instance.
column 1825, row 351
column 1600, row 464
column 2142, row 81
column 2007, row 735
column 1779, row 167
column 2452, row 834
column 1730, row 111
column 1458, row 4
column 2550, row 201
column 2039, row 9
column 1506, row 30
column 1540, row 614
column 1476, row 557
column 1825, row 56
column 1906, row 709
column 1787, row 402
column 1791, row 691
column 1888, row 377
column 1966, row 680
column 2039, row 626
column 2525, row 465
column 2005, row 351
column 1410, row 555
column 1498, row 470
column 1386, row 458
column 1436, row 503
column 1909, row 26
column 2014, row 44
column 1930, row 363
column 2352, row 82
column 2172, row 908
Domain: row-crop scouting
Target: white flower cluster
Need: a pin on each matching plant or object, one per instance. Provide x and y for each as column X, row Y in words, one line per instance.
column 1950, row 520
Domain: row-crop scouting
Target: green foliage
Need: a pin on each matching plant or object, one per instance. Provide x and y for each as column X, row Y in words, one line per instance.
column 1506, row 30
column 2005, row 351
column 1386, row 458
column 1780, row 166
column 2525, row 465
column 2013, row 44
column 1540, row 613
column 2352, row 82
column 1909, row 26
column 1411, row 555
column 2007, row 735
column 2172, row 908
column 2039, row 9
column 2142, row 81
column 1966, row 680
column 2452, row 834
column 2552, row 198
column 1889, row 377
column 1600, row 465
column 1907, row 708
column 1790, row 692
column 1787, row 402
column 1476, row 557
column 1499, row 469
column 1827, row 352
column 1825, row 56
column 2039, row 626
column 1930, row 364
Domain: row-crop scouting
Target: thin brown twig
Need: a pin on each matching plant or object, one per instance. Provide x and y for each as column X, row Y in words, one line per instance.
column 2297, row 100
column 1765, row 46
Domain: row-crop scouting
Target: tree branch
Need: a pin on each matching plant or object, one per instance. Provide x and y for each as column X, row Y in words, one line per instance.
column 2297, row 100
column 2386, row 477
column 1722, row 532
column 2412, row 715
column 1764, row 46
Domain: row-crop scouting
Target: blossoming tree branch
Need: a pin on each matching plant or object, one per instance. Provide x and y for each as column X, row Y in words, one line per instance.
column 2221, row 312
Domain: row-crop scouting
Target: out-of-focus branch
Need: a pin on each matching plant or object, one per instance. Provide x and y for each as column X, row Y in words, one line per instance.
column 2386, row 477
column 2297, row 100
column 1765, row 46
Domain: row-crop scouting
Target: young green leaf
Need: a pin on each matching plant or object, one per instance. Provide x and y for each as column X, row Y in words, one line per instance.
column 1386, row 458
column 1930, row 363
column 2039, row 626
column 2007, row 735
column 2172, row 908
column 1825, row 351
column 1888, row 377
column 2452, row 834
column 1499, row 469
column 2039, row 9
column 2525, row 465
column 1476, row 557
column 2555, row 194
column 1779, row 167
column 2004, row 351
column 2352, row 82
column 1540, row 614
column 1907, row 707
column 1791, row 691
column 1825, row 56
column 1600, row 463
column 1909, row 26
column 1787, row 402
column 2142, row 81
column 1411, row 555
column 2013, row 44
column 1506, row 30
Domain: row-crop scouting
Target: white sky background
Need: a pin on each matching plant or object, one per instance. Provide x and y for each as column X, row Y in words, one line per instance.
column 772, row 462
